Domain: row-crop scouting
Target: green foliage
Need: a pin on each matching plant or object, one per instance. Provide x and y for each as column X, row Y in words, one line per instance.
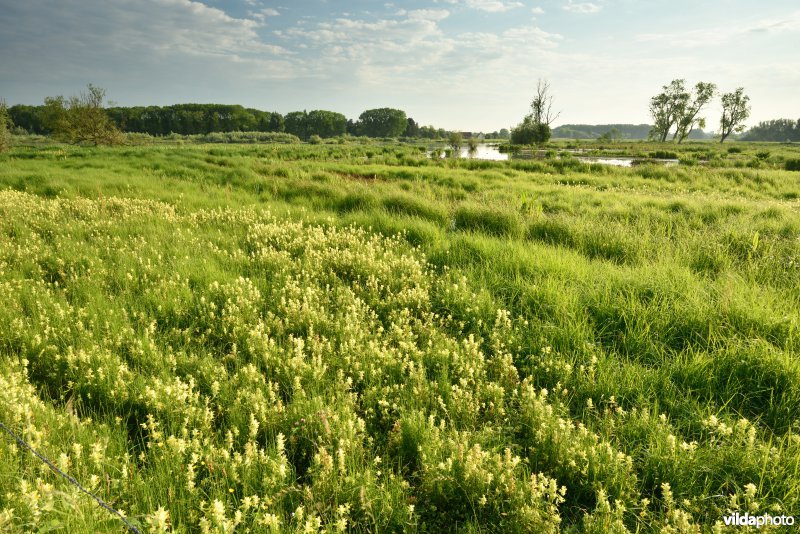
column 735, row 110
column 382, row 122
column 455, row 141
column 5, row 127
column 529, row 133
column 779, row 130
column 792, row 164
column 664, row 154
column 82, row 119
column 676, row 107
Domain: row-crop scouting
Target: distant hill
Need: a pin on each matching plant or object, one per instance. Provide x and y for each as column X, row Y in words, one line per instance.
column 626, row 131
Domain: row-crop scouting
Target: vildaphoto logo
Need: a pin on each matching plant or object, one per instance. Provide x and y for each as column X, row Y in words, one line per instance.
column 746, row 520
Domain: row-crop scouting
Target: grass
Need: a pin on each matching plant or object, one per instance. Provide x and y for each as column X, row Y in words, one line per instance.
column 350, row 336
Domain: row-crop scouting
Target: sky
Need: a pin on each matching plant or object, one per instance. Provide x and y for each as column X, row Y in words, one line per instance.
column 468, row 65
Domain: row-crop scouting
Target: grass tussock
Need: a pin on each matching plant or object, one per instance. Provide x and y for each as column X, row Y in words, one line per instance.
column 348, row 336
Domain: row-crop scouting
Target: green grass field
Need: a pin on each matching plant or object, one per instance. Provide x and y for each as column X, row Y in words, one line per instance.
column 349, row 337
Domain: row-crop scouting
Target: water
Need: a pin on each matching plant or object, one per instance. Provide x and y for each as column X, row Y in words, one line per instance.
column 492, row 153
column 489, row 152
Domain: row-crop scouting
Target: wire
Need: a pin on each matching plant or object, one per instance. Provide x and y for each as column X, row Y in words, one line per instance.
column 71, row 480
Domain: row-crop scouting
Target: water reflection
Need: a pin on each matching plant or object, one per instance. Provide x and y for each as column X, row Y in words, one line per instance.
column 492, row 152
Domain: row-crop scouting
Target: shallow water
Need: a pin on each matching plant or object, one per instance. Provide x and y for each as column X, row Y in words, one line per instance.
column 492, row 153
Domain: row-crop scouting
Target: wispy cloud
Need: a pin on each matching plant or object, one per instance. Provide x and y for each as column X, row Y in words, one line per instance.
column 718, row 35
column 581, row 7
column 490, row 6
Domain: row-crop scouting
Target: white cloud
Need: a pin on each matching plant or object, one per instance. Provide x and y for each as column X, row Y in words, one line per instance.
column 581, row 7
column 428, row 14
column 490, row 6
column 717, row 35
column 114, row 38
column 537, row 11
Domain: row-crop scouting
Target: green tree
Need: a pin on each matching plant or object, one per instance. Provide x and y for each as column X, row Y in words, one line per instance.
column 472, row 146
column 687, row 117
column 530, row 133
column 412, row 128
column 5, row 127
column 82, row 119
column 667, row 108
column 735, row 110
column 326, row 123
column 455, row 140
column 296, row 123
column 383, row 122
column 535, row 127
column 780, row 130
column 611, row 135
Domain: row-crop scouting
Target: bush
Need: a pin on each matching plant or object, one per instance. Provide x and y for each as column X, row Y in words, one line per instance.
column 242, row 137
column 530, row 133
column 792, row 165
column 663, row 154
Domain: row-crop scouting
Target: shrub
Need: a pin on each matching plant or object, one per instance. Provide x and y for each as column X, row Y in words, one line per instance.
column 792, row 164
column 530, row 133
column 663, row 154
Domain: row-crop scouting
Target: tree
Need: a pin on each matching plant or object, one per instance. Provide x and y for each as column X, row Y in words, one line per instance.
column 535, row 127
column 735, row 110
column 382, row 122
column 82, row 118
column 5, row 127
column 688, row 114
column 530, row 133
column 296, row 123
column 611, row 135
column 676, row 107
column 542, row 104
column 472, row 146
column 455, row 140
column 326, row 123
column 667, row 107
column 781, row 130
column 412, row 128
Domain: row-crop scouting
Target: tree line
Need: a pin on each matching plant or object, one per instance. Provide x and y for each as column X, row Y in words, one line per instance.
column 780, row 130
column 63, row 116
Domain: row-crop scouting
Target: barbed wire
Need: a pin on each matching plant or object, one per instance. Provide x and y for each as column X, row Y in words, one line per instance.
column 71, row 480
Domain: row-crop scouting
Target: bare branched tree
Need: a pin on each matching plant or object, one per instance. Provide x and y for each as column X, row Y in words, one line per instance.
column 542, row 104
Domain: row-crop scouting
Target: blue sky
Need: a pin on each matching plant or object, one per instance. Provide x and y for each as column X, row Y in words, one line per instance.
column 457, row 64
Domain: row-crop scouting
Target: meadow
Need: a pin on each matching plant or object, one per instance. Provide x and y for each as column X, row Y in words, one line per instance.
column 354, row 337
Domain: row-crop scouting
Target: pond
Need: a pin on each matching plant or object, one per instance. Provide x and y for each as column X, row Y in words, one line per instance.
column 491, row 152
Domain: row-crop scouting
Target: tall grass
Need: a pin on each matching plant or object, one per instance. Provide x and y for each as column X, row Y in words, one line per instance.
column 354, row 337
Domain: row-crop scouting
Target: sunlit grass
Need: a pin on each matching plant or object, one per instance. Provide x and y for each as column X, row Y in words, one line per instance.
column 348, row 336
